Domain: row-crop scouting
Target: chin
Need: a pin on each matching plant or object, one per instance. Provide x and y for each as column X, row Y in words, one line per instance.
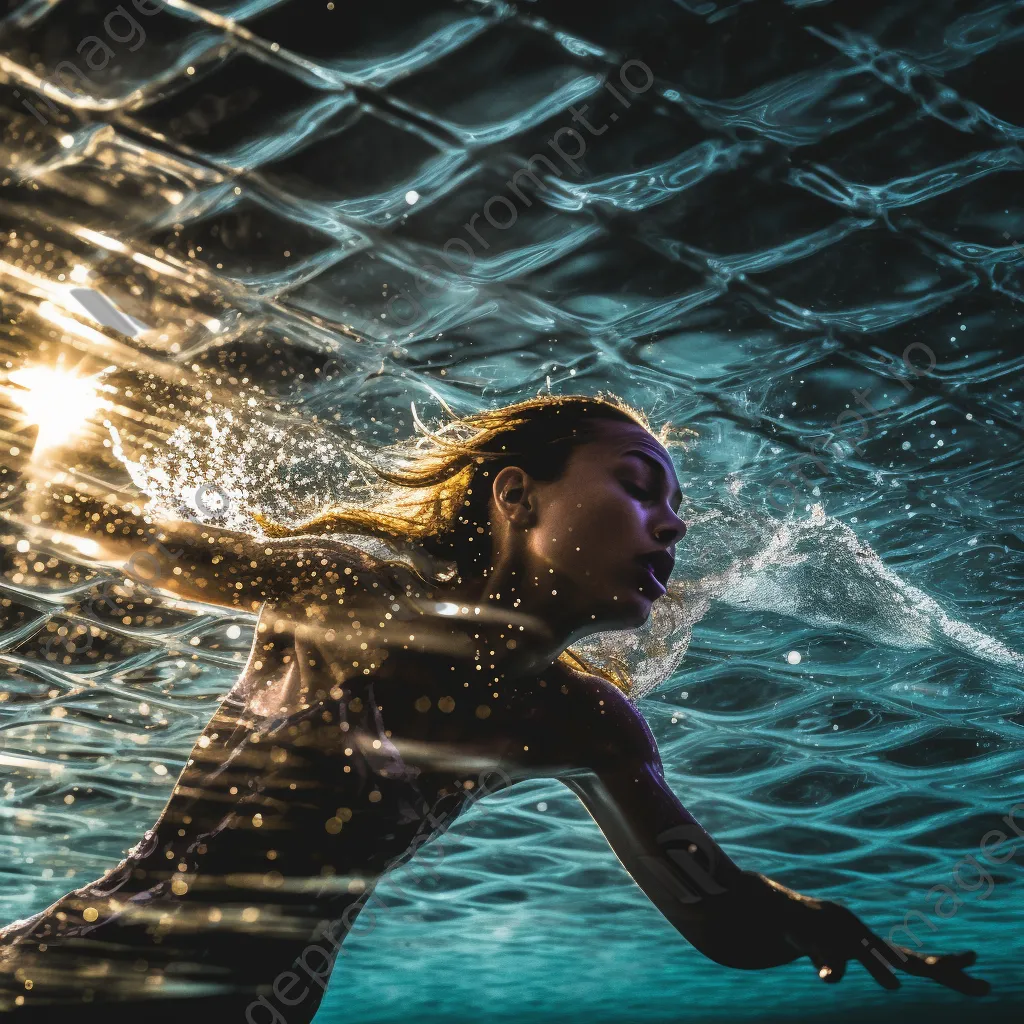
column 630, row 610
column 630, row 616
column 641, row 616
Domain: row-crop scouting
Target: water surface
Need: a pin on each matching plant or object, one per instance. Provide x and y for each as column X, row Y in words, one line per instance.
column 793, row 227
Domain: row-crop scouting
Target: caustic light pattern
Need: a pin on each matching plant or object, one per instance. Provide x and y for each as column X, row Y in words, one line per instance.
column 240, row 237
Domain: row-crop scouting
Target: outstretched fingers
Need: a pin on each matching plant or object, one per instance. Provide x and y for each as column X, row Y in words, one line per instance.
column 836, row 935
column 878, row 959
column 947, row 969
column 830, row 969
column 848, row 938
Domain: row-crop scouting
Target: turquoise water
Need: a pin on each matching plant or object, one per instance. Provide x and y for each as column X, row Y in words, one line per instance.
column 793, row 213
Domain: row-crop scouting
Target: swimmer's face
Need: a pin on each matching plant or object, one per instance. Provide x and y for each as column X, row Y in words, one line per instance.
column 605, row 532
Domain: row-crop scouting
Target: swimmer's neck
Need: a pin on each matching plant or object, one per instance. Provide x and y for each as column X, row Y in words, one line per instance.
column 549, row 625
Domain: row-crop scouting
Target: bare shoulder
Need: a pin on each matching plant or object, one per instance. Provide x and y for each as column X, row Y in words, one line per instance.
column 324, row 572
column 605, row 726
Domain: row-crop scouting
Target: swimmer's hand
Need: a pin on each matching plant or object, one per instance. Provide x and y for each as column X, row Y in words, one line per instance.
column 737, row 918
column 831, row 935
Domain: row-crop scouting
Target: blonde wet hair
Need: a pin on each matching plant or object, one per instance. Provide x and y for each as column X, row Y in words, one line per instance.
column 432, row 501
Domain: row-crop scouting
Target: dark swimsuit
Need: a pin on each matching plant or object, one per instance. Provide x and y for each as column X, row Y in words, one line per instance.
column 277, row 830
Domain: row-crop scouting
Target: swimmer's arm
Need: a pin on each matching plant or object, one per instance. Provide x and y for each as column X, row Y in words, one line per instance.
column 736, row 918
column 192, row 561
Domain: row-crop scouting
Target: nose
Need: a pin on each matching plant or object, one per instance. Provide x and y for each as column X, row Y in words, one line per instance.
column 671, row 531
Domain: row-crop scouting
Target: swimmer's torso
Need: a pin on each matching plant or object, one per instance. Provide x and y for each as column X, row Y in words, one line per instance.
column 353, row 735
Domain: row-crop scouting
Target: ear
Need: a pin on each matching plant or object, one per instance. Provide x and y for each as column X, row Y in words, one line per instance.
column 514, row 496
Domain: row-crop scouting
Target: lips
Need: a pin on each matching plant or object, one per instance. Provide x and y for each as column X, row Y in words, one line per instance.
column 659, row 564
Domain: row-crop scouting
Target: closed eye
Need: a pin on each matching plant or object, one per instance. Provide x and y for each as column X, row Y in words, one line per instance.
column 637, row 491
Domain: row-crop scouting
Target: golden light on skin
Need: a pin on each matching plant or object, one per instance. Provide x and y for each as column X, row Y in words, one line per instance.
column 57, row 401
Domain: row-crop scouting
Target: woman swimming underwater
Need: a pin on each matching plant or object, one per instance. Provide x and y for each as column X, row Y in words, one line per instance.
column 383, row 696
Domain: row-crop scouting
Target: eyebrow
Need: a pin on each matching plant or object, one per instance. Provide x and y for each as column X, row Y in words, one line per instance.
column 658, row 465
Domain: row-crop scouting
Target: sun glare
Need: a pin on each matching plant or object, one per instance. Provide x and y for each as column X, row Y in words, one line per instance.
column 58, row 402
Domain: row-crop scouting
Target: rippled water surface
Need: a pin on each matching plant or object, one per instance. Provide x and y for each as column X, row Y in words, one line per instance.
column 794, row 227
